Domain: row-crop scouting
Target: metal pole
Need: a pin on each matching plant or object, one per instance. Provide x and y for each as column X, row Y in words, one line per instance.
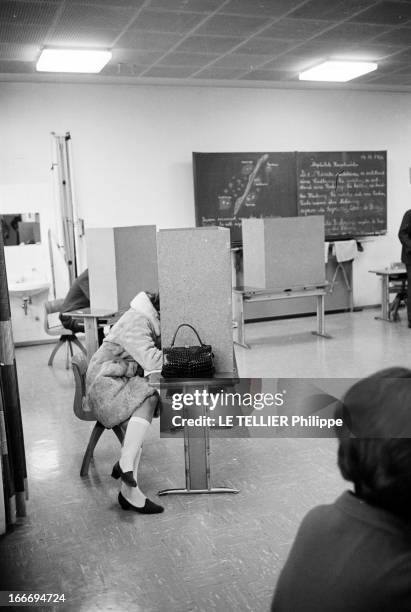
column 53, row 277
column 66, row 203
column 69, row 190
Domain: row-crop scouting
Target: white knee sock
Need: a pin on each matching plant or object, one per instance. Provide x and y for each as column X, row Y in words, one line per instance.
column 133, row 494
column 135, row 433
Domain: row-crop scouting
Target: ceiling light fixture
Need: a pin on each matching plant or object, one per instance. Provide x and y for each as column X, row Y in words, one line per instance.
column 334, row 70
column 72, row 60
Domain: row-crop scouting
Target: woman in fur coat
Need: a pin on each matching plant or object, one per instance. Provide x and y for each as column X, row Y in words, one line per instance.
column 117, row 390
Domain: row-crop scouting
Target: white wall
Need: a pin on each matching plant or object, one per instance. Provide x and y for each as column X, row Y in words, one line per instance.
column 132, row 146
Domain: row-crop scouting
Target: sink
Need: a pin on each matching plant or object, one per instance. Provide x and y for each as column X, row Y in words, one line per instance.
column 28, row 288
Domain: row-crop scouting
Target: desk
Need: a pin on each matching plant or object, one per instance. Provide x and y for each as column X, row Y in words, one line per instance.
column 388, row 275
column 92, row 318
column 254, row 294
column 196, row 445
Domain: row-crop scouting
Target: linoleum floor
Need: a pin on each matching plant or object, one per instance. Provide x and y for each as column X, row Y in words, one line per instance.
column 204, row 553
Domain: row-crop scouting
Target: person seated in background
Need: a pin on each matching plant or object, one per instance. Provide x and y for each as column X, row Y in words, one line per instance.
column 355, row 555
column 117, row 390
column 78, row 297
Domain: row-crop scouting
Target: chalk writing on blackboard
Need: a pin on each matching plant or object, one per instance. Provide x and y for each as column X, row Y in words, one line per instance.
column 229, row 187
column 348, row 188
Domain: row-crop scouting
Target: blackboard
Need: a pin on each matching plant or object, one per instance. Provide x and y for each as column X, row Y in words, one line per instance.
column 229, row 187
column 348, row 188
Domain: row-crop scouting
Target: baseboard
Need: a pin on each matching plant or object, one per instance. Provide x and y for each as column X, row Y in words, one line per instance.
column 371, row 307
column 301, row 314
column 35, row 342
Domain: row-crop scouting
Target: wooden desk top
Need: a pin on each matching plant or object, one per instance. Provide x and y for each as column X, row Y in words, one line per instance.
column 246, row 290
column 220, row 378
column 389, row 271
column 89, row 313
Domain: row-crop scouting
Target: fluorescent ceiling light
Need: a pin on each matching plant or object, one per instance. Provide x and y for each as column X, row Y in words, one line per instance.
column 72, row 60
column 337, row 71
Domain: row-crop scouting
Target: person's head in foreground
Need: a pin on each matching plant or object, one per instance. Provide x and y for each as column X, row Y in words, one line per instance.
column 355, row 555
column 377, row 460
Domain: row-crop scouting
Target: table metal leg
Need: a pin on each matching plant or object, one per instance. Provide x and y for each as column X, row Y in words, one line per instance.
column 320, row 318
column 91, row 331
column 238, row 312
column 186, row 453
column 197, row 491
column 197, row 462
column 385, row 299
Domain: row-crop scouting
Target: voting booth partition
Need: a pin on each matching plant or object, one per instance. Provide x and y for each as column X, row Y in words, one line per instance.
column 283, row 262
column 283, row 253
column 122, row 261
column 194, row 269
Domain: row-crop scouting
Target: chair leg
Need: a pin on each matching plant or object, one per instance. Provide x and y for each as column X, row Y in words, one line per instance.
column 78, row 344
column 94, row 438
column 69, row 354
column 119, row 433
column 59, row 344
column 397, row 303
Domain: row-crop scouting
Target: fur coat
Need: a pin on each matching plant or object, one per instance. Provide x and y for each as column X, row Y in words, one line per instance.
column 115, row 382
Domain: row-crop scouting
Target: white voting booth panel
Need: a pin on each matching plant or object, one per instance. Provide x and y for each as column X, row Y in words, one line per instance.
column 195, row 287
column 122, row 261
column 283, row 252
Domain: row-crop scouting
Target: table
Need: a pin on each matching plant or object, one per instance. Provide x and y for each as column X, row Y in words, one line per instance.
column 388, row 275
column 92, row 317
column 196, row 447
column 255, row 294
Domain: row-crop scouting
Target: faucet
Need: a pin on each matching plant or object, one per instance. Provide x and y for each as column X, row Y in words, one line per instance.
column 25, row 302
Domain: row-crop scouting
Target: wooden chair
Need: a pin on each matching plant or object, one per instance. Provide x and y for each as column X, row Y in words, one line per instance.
column 67, row 337
column 82, row 411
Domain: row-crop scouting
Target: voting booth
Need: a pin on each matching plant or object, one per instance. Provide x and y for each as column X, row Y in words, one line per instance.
column 283, row 253
column 195, row 288
column 121, row 261
column 194, row 267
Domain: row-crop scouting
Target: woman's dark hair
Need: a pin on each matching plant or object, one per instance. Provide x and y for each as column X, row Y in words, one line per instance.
column 375, row 454
column 154, row 299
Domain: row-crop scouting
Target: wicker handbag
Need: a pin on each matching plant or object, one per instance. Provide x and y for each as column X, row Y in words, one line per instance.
column 188, row 361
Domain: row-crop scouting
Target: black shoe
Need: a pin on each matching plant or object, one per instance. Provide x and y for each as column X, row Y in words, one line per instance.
column 126, row 477
column 148, row 508
column 409, row 323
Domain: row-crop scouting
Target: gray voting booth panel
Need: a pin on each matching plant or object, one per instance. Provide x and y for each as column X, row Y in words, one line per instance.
column 195, row 288
column 122, row 261
column 194, row 268
column 283, row 252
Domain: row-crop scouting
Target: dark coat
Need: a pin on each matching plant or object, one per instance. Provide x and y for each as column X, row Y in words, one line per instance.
column 405, row 238
column 347, row 557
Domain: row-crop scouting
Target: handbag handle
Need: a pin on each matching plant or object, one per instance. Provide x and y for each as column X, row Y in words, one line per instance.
column 185, row 325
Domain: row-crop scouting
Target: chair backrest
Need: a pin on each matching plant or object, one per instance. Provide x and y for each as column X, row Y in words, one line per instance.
column 80, row 406
column 51, row 307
